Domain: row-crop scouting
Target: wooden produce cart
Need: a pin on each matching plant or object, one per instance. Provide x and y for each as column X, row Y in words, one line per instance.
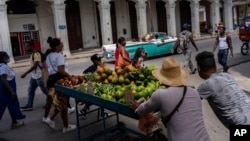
column 117, row 108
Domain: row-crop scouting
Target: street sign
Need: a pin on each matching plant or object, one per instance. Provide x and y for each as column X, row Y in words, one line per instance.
column 62, row 26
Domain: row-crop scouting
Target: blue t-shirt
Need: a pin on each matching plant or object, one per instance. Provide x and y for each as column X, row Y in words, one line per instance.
column 91, row 69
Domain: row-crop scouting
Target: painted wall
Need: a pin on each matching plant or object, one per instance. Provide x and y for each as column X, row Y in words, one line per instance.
column 46, row 23
column 154, row 16
column 89, row 23
column 17, row 22
column 122, row 19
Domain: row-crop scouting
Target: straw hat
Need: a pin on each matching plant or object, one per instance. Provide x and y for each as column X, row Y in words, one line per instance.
column 171, row 73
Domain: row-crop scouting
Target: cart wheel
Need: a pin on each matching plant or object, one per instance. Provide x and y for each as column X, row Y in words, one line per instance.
column 178, row 50
column 244, row 49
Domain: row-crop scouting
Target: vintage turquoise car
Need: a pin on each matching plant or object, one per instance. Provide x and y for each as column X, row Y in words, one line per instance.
column 158, row 44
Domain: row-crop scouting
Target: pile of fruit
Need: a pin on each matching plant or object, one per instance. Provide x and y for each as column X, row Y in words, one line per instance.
column 71, row 81
column 111, row 85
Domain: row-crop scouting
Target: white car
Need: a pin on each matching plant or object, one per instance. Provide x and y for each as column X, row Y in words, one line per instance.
column 158, row 44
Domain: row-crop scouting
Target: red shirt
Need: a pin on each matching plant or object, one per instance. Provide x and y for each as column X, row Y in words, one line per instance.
column 117, row 52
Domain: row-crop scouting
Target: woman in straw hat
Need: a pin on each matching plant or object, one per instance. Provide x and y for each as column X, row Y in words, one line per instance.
column 186, row 121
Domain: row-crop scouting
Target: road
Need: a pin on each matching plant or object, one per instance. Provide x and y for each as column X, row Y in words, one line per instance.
column 36, row 131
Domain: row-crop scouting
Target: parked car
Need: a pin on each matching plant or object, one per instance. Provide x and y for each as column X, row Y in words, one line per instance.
column 154, row 44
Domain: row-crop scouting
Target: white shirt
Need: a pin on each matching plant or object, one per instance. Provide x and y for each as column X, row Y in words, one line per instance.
column 54, row 60
column 5, row 69
column 223, row 43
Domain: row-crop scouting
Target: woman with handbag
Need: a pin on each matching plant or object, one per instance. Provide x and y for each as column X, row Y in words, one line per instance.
column 121, row 55
column 179, row 105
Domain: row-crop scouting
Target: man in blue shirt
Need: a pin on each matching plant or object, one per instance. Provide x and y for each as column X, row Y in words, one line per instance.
column 97, row 61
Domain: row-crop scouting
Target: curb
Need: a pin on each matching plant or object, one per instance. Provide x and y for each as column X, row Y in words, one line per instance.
column 73, row 56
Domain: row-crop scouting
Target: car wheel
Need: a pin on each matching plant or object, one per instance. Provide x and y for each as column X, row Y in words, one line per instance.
column 178, row 50
column 244, row 49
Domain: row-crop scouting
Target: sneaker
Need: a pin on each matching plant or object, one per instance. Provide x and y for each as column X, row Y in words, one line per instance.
column 71, row 110
column 82, row 114
column 104, row 115
column 50, row 123
column 44, row 119
column 194, row 71
column 70, row 128
column 16, row 125
column 26, row 108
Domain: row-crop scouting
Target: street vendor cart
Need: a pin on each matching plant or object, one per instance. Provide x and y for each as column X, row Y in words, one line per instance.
column 117, row 108
column 244, row 34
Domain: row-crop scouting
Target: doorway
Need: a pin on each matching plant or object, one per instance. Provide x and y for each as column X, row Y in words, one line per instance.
column 15, row 44
column 185, row 13
column 74, row 25
column 113, row 21
column 133, row 20
column 98, row 23
column 161, row 16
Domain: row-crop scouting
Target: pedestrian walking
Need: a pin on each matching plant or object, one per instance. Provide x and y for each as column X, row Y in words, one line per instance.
column 179, row 105
column 216, row 29
column 224, row 44
column 57, row 69
column 37, row 67
column 184, row 40
column 229, row 102
column 8, row 95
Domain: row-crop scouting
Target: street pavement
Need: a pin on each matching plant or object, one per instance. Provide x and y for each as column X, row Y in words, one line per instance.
column 35, row 130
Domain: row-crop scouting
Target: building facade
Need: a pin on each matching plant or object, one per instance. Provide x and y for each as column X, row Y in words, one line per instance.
column 91, row 23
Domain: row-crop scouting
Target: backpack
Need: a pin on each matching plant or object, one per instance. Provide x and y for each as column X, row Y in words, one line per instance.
column 43, row 58
column 183, row 40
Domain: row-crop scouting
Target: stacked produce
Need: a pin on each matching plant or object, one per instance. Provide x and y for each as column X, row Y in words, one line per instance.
column 71, row 81
column 111, row 85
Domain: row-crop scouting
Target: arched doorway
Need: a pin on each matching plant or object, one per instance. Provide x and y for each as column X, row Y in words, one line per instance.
column 185, row 13
column 98, row 23
column 74, row 25
column 161, row 16
column 133, row 20
column 113, row 21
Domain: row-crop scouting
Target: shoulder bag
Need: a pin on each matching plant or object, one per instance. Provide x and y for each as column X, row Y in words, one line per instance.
column 166, row 119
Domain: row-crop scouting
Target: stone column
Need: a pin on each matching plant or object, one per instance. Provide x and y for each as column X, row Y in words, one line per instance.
column 195, row 18
column 228, row 18
column 215, row 12
column 5, row 44
column 141, row 18
column 170, row 9
column 58, row 7
column 104, row 9
column 235, row 15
